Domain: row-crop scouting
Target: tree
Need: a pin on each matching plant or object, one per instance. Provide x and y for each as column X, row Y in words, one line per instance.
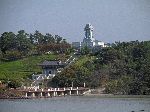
column 23, row 41
column 85, row 50
column 49, row 38
column 14, row 84
column 7, row 41
column 58, row 39
column 38, row 37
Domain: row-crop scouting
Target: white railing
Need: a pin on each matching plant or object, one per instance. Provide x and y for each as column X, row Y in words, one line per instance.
column 40, row 77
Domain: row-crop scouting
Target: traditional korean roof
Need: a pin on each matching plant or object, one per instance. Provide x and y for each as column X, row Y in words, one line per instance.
column 51, row 63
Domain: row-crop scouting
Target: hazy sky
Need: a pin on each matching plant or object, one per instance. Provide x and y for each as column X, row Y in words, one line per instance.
column 113, row 20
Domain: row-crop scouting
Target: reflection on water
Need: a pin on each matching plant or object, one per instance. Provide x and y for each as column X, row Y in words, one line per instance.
column 76, row 104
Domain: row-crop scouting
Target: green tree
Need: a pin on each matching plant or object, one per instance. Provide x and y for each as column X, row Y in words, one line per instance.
column 85, row 50
column 49, row 38
column 7, row 41
column 23, row 42
column 38, row 37
column 58, row 39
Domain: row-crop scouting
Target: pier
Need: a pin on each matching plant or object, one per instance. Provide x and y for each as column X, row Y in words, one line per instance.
column 53, row 92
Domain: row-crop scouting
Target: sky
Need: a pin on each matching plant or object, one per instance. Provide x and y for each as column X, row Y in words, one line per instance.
column 113, row 20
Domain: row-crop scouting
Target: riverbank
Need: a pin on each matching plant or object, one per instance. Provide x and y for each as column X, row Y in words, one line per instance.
column 89, row 95
column 116, row 96
column 59, row 92
column 15, row 98
column 41, row 93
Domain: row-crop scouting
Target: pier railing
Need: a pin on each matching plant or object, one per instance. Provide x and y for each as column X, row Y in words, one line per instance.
column 50, row 92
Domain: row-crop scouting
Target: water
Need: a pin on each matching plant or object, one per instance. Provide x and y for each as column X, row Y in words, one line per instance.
column 76, row 104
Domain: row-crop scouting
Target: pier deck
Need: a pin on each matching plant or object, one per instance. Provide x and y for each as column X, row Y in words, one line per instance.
column 52, row 92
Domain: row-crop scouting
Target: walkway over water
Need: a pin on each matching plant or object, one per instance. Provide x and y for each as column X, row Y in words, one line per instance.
column 52, row 92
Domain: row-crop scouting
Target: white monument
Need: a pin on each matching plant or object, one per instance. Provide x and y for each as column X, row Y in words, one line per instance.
column 88, row 40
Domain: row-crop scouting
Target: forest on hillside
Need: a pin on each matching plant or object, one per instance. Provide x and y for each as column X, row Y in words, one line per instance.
column 123, row 68
column 17, row 46
column 21, row 52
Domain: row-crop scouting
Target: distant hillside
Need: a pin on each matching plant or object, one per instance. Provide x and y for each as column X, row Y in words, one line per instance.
column 78, row 73
column 123, row 68
column 21, row 52
column 23, row 68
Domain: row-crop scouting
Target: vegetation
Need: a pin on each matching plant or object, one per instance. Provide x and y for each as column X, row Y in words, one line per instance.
column 121, row 69
column 23, row 68
column 80, row 72
column 20, row 53
column 20, row 45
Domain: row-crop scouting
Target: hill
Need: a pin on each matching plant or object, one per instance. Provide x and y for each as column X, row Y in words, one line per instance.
column 120, row 69
column 23, row 68
column 21, row 52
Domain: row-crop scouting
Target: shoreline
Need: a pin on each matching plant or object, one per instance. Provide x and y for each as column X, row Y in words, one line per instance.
column 116, row 96
column 87, row 95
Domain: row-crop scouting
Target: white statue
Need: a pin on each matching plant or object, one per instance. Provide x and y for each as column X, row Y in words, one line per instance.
column 88, row 31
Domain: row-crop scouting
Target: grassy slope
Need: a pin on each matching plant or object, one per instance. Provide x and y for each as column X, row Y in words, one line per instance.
column 82, row 64
column 82, row 60
column 22, row 68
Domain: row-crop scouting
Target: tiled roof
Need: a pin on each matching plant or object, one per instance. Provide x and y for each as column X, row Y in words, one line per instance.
column 54, row 62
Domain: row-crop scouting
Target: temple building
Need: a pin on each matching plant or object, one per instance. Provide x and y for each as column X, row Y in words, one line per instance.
column 88, row 40
column 49, row 69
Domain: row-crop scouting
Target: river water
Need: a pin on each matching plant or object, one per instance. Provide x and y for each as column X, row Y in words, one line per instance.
column 76, row 104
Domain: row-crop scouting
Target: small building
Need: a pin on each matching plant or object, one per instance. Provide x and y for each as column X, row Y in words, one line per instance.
column 49, row 69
